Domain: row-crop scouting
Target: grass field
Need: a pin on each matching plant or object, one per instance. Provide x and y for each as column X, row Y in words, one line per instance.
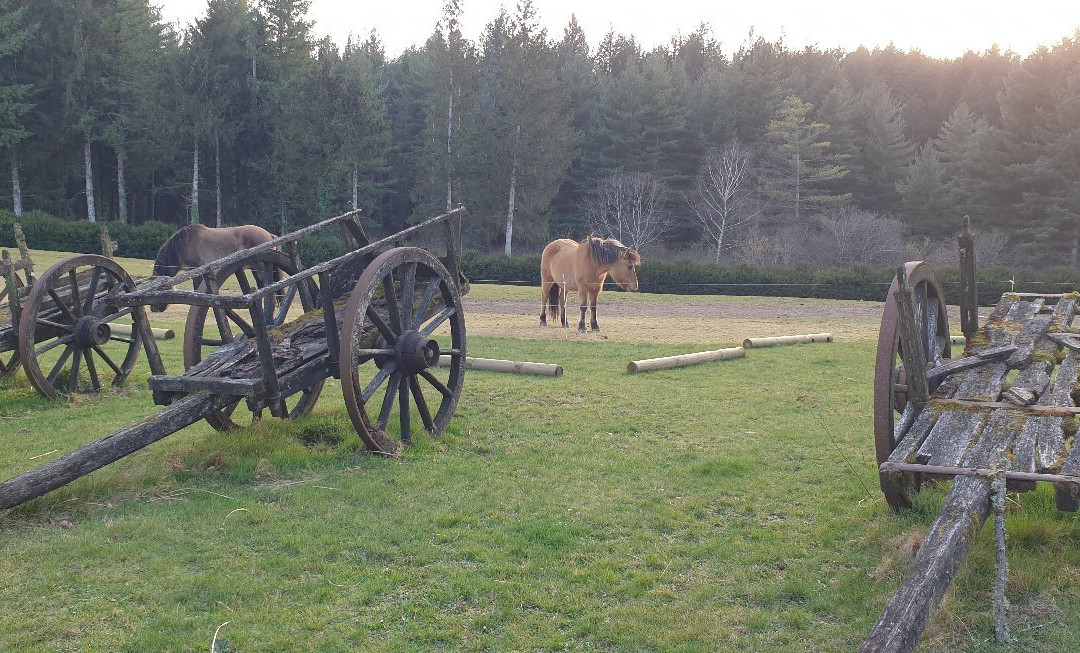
column 726, row 506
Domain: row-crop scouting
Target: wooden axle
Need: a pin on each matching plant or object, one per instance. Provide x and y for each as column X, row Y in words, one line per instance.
column 515, row 367
column 751, row 343
column 682, row 360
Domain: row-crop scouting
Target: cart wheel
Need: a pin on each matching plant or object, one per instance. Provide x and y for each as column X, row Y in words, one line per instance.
column 391, row 344
column 69, row 319
column 890, row 399
column 207, row 329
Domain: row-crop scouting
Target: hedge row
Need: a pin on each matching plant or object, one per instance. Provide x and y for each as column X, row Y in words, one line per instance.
column 678, row 277
column 685, row 277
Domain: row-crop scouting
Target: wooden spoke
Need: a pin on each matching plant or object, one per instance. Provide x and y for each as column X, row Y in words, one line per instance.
column 73, row 378
column 109, row 361
column 388, row 401
column 390, row 295
column 421, row 404
column 403, row 403
column 60, row 363
column 383, row 374
column 437, row 384
column 384, row 329
column 408, row 286
column 433, row 287
column 75, row 303
column 56, row 342
column 91, row 369
column 437, row 321
column 63, row 308
column 91, row 290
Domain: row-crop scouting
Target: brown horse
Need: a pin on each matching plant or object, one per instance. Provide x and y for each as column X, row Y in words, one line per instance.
column 197, row 244
column 567, row 266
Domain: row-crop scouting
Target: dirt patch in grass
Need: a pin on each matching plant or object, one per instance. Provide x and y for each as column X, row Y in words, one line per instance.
column 720, row 321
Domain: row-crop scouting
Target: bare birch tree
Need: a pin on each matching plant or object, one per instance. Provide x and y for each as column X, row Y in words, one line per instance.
column 722, row 197
column 630, row 206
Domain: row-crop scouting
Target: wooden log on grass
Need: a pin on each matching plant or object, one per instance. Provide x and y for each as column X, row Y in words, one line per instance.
column 125, row 330
column 751, row 343
column 682, row 360
column 514, row 367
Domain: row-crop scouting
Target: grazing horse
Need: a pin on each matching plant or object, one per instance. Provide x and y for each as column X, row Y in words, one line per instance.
column 567, row 266
column 197, row 244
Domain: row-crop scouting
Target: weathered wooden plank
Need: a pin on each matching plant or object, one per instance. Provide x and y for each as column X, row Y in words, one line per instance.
column 1064, row 379
column 1031, row 382
column 189, row 384
column 982, row 383
column 1067, row 496
column 941, row 555
column 1023, row 447
column 1031, row 331
column 1050, row 446
column 131, row 438
column 952, row 435
column 911, row 340
column 905, row 449
column 994, row 439
column 977, row 359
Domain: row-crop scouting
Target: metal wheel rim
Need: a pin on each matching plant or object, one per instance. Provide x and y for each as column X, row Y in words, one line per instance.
column 116, row 280
column 194, row 328
column 409, row 384
column 887, row 368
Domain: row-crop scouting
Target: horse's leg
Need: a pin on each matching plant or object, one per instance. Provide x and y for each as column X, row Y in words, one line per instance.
column 545, row 292
column 564, row 295
column 592, row 306
column 583, row 297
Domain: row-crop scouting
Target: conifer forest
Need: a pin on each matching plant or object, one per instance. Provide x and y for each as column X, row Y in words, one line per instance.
column 743, row 154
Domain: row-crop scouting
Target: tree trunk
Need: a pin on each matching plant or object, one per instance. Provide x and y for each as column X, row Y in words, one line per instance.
column 513, row 189
column 121, row 186
column 355, row 188
column 89, row 172
column 16, row 189
column 217, row 178
column 449, row 145
column 195, row 185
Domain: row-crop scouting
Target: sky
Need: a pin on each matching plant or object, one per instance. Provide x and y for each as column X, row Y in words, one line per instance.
column 943, row 29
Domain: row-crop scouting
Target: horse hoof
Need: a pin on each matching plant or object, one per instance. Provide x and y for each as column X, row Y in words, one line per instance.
column 581, row 330
column 596, row 329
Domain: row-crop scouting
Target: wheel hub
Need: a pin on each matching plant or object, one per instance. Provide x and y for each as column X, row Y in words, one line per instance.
column 90, row 332
column 415, row 352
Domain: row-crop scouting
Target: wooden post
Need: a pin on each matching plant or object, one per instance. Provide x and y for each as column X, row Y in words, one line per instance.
column 757, row 343
column 942, row 553
column 911, row 340
column 682, row 360
column 1001, row 604
column 969, row 292
column 108, row 245
column 24, row 252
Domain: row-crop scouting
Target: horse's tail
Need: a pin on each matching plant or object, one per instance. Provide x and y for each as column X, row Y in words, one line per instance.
column 552, row 301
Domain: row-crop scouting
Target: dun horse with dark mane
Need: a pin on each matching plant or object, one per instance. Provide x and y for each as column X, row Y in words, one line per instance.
column 197, row 244
column 567, row 265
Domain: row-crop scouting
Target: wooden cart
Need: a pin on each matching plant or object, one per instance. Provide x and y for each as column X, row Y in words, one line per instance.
column 264, row 333
column 1005, row 409
column 64, row 327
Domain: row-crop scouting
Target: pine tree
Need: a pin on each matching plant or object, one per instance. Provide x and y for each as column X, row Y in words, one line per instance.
column 15, row 104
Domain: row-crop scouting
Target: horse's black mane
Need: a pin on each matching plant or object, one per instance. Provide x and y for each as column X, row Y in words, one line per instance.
column 167, row 262
column 607, row 250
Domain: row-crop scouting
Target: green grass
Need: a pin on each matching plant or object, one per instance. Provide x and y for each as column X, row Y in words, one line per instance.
column 726, row 506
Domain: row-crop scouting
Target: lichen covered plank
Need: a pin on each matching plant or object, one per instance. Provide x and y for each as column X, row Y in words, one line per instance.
column 952, row 435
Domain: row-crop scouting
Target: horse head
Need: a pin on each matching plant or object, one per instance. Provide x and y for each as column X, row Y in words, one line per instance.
column 167, row 262
column 624, row 272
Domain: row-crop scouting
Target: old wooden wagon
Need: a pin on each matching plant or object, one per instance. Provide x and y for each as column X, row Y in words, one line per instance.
column 64, row 327
column 264, row 333
column 1003, row 414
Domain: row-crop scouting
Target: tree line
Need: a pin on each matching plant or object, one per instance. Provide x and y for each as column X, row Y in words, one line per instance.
column 762, row 155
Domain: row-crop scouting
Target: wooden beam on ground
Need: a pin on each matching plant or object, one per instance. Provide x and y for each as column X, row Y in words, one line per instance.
column 125, row 330
column 942, row 553
column 513, row 367
column 753, row 343
column 683, row 360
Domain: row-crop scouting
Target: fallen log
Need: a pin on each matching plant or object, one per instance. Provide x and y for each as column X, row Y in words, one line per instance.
column 125, row 330
column 751, row 343
column 683, row 360
column 514, row 367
